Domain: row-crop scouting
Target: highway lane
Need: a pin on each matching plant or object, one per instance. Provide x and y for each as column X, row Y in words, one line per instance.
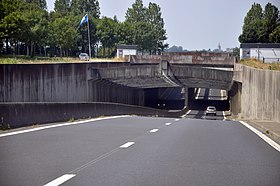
column 162, row 151
column 205, row 95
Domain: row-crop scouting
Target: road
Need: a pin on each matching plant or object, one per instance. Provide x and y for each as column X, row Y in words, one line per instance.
column 208, row 97
column 139, row 151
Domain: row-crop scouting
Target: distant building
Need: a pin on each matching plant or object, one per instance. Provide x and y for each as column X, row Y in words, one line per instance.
column 266, row 52
column 126, row 50
column 219, row 49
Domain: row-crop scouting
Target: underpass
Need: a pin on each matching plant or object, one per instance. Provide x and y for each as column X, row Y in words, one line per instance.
column 208, row 97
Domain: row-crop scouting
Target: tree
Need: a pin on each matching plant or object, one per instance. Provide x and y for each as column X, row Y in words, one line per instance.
column 271, row 20
column 62, row 7
column 136, row 13
column 154, row 18
column 34, row 33
column 106, row 33
column 147, row 26
column 253, row 25
column 274, row 37
column 11, row 22
column 40, row 3
column 81, row 7
column 259, row 25
column 62, row 34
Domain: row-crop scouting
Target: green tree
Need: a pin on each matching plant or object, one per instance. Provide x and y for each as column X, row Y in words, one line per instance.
column 154, row 18
column 81, row 7
column 35, row 29
column 253, row 27
column 136, row 14
column 106, row 32
column 259, row 25
column 10, row 21
column 62, row 34
column 271, row 20
column 62, row 7
column 147, row 26
column 274, row 37
column 40, row 3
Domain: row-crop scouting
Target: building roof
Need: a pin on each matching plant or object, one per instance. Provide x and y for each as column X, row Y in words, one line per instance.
column 260, row 45
column 127, row 46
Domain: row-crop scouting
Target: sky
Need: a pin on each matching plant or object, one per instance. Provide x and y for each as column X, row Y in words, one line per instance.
column 193, row 24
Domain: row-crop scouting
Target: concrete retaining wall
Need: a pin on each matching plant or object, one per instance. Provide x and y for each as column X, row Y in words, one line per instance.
column 260, row 98
column 62, row 83
column 24, row 114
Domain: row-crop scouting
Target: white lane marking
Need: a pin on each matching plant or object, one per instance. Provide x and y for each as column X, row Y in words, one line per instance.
column 177, row 119
column 198, row 92
column 128, row 144
column 224, row 115
column 261, row 135
column 60, row 180
column 183, row 116
column 58, row 125
column 153, row 130
column 167, row 124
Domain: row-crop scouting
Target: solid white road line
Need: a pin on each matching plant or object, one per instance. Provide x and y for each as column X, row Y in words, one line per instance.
column 126, row 145
column 60, row 180
column 153, row 130
column 224, row 114
column 261, row 135
column 198, row 92
column 183, row 116
column 58, row 125
column 167, row 124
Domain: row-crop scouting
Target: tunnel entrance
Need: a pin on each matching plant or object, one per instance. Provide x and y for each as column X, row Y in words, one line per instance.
column 205, row 97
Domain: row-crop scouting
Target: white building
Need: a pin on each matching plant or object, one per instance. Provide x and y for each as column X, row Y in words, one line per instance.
column 266, row 52
column 126, row 50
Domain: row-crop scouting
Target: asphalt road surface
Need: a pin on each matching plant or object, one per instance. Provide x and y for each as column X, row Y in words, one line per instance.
column 140, row 151
column 207, row 97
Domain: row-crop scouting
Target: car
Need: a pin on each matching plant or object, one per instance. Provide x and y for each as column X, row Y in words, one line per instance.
column 211, row 110
column 84, row 56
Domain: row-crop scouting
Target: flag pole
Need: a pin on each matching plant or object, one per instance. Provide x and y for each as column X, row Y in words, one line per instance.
column 89, row 51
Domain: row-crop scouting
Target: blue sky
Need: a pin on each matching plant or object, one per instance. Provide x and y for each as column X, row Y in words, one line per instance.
column 194, row 25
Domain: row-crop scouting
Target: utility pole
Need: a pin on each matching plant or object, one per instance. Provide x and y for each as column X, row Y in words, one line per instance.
column 89, row 50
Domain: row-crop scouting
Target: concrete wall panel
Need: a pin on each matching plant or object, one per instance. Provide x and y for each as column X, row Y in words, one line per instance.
column 61, row 83
column 260, row 98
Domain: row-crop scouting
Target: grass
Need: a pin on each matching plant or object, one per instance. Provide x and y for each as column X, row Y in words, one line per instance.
column 260, row 65
column 9, row 59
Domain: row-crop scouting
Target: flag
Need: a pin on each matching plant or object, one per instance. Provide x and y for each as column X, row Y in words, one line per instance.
column 84, row 20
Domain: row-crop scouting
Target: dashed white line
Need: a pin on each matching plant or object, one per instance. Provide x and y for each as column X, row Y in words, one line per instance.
column 128, row 144
column 60, row 180
column 261, row 135
column 177, row 119
column 153, row 130
column 167, row 124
